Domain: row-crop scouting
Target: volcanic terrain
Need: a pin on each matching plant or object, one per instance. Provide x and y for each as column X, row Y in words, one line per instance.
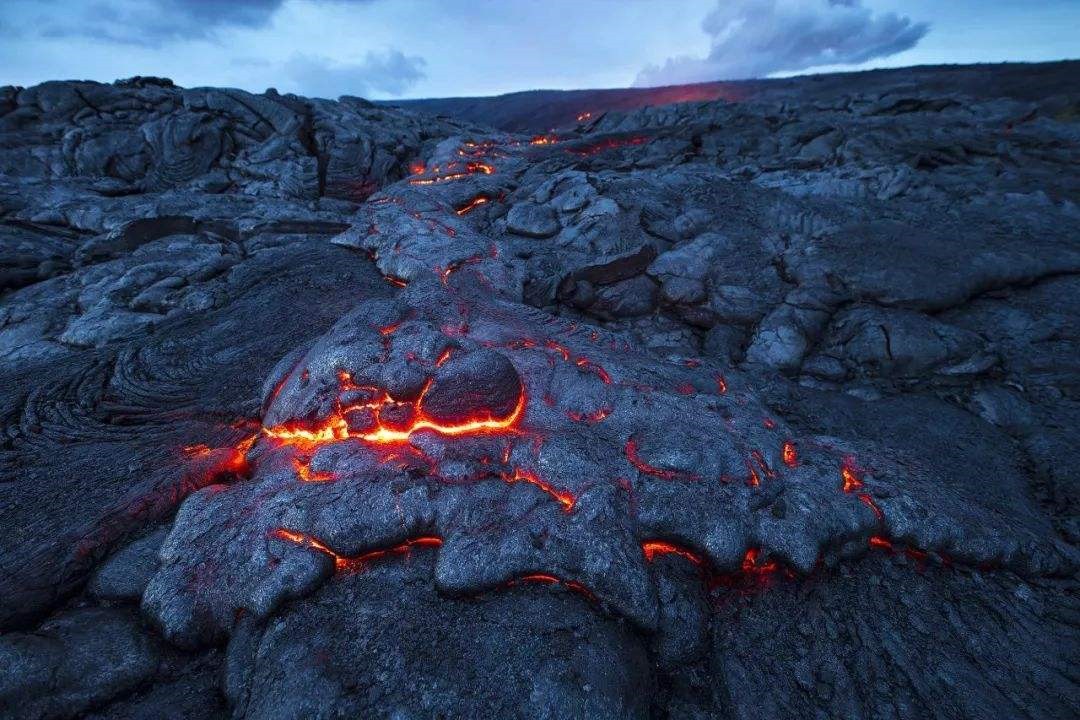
column 756, row 407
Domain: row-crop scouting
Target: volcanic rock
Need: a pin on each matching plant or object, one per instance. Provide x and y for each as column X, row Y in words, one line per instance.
column 713, row 409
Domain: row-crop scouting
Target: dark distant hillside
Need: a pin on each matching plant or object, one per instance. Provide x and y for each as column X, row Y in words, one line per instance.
column 542, row 110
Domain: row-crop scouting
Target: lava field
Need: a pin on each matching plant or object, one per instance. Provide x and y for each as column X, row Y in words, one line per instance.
column 762, row 408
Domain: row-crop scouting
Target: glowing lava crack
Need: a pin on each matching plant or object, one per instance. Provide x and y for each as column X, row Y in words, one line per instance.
column 336, row 427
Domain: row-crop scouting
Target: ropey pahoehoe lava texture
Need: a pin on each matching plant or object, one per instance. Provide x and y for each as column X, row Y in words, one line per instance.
column 323, row 409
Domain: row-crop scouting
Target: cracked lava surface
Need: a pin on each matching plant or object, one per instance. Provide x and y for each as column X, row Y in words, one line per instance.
column 397, row 416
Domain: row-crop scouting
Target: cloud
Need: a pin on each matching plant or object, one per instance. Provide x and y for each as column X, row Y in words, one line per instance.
column 755, row 38
column 152, row 22
column 391, row 72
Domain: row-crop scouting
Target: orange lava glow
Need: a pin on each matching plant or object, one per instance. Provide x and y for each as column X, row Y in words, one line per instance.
column 876, row 541
column 472, row 205
column 356, row 562
column 869, row 502
column 589, row 366
column 199, row 450
column 590, row 417
column 551, row 344
column 222, row 461
column 752, row 566
column 582, row 117
column 753, row 480
column 544, row 140
column 546, row 579
column 445, row 273
column 455, row 171
column 759, row 459
column 564, row 498
column 635, row 459
column 790, row 456
column 652, row 548
column 336, row 428
column 721, row 384
column 306, row 474
column 849, row 476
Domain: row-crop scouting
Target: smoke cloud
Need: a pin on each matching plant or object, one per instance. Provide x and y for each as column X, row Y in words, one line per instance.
column 755, row 38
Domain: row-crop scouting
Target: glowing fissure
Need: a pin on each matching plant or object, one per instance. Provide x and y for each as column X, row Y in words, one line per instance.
column 306, row 474
column 454, row 171
column 546, row 579
column 753, row 571
column 359, row 563
column 654, row 548
column 850, row 477
column 336, row 428
column 343, row 563
column 564, row 498
column 472, row 205
column 444, row 274
column 633, row 455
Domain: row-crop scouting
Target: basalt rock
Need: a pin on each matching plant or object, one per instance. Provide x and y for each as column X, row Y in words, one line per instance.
column 326, row 408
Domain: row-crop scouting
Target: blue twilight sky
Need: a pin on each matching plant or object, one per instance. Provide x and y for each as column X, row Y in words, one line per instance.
column 430, row 48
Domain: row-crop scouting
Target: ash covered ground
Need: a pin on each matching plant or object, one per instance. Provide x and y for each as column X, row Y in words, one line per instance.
column 744, row 409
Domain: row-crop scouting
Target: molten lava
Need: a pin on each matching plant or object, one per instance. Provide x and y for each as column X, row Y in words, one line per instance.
column 652, row 548
column 790, row 456
column 566, row 499
column 590, row 417
column 850, row 476
column 546, row 579
column 876, row 541
column 589, row 366
column 336, row 427
column 751, row 564
column 636, row 460
column 472, row 205
column 306, row 474
column 454, row 171
column 356, row 562
column 869, row 502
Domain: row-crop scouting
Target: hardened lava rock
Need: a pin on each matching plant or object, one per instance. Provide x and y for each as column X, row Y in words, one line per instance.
column 748, row 409
column 445, row 419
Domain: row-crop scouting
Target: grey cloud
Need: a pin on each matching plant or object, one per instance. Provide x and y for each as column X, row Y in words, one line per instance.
column 151, row 22
column 391, row 72
column 755, row 38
